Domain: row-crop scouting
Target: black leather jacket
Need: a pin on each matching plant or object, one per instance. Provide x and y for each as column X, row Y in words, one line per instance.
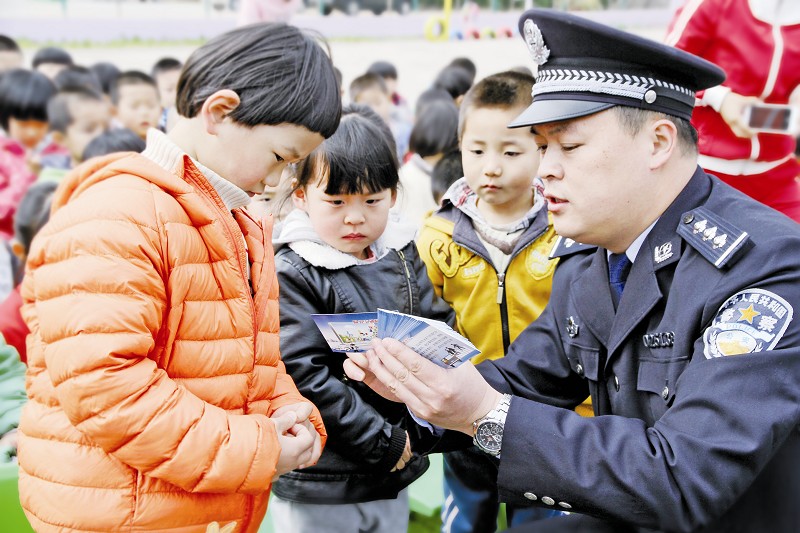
column 366, row 434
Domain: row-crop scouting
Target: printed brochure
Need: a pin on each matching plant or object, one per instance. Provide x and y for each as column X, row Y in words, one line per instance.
column 435, row 340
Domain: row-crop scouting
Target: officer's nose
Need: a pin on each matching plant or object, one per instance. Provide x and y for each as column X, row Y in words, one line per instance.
column 549, row 166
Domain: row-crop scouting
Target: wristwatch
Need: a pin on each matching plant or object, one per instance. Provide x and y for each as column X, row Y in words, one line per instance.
column 487, row 432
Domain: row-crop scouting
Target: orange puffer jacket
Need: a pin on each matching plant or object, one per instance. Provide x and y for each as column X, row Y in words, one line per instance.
column 152, row 369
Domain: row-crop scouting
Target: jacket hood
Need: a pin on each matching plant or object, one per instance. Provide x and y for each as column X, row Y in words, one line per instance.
column 100, row 169
column 297, row 233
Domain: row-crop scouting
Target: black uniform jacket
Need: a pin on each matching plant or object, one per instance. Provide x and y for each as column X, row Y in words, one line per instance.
column 697, row 373
column 366, row 433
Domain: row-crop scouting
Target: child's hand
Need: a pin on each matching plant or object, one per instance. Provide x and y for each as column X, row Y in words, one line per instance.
column 303, row 410
column 405, row 458
column 300, row 446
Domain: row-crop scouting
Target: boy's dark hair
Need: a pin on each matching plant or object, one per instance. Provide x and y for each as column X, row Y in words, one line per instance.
column 503, row 91
column 338, row 75
column 384, row 69
column 455, row 80
column 165, row 64
column 366, row 82
column 446, row 171
column 7, row 44
column 436, row 130
column 467, row 64
column 281, row 74
column 112, row 141
column 52, row 54
column 77, row 76
column 427, row 96
column 24, row 95
column 358, row 157
column 129, row 78
column 107, row 73
column 33, row 212
column 59, row 114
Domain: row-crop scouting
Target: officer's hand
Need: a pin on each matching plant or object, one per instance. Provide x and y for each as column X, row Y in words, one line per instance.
column 357, row 368
column 732, row 111
column 451, row 398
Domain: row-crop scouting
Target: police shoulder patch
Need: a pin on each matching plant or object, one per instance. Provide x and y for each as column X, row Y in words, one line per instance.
column 716, row 239
column 565, row 246
column 753, row 320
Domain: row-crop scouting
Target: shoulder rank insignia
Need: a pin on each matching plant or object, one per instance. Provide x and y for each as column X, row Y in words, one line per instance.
column 752, row 320
column 565, row 246
column 716, row 239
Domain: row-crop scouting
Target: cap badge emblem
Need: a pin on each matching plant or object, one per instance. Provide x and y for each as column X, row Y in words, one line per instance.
column 535, row 41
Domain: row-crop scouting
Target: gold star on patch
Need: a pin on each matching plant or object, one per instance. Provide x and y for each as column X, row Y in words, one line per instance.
column 748, row 314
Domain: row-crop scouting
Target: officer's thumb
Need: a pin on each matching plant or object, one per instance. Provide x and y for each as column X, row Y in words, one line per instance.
column 284, row 422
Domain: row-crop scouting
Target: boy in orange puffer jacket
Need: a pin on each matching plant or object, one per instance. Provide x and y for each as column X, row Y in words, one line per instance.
column 157, row 393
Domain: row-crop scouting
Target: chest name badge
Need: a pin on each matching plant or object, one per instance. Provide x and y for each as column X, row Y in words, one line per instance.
column 753, row 320
column 665, row 339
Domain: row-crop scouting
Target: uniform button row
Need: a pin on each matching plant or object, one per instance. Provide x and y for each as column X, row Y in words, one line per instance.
column 547, row 500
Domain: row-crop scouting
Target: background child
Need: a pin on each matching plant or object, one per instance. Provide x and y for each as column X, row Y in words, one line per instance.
column 77, row 76
column 371, row 90
column 112, row 141
column 435, row 132
column 134, row 96
column 491, row 232
column 32, row 215
column 154, row 375
column 76, row 116
column 341, row 253
column 10, row 54
column 51, row 60
column 446, row 171
column 166, row 72
column 107, row 73
column 23, row 116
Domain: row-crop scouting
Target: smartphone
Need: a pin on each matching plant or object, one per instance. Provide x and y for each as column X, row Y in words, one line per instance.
column 773, row 118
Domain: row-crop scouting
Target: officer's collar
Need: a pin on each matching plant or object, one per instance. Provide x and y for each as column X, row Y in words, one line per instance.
column 663, row 244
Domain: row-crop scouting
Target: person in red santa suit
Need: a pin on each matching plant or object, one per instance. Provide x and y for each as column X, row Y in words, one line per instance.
column 757, row 43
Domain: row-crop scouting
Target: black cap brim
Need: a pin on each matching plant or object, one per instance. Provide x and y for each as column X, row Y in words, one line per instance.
column 546, row 111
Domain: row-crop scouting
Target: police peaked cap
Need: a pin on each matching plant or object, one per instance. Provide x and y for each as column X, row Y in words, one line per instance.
column 585, row 67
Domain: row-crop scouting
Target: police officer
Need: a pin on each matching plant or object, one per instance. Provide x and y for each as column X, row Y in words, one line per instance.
column 672, row 306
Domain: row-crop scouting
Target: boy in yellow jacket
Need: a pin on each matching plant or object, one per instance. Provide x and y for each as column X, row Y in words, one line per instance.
column 492, row 233
column 158, row 400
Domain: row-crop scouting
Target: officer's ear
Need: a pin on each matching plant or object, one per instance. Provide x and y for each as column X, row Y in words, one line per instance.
column 663, row 136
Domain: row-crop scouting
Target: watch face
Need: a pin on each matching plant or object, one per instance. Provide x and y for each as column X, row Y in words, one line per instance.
column 489, row 436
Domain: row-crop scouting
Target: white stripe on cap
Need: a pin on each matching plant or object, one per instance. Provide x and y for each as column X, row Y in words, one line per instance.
column 576, row 80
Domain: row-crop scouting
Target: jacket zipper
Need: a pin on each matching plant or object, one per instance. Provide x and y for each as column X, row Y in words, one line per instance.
column 501, row 301
column 408, row 282
column 501, row 287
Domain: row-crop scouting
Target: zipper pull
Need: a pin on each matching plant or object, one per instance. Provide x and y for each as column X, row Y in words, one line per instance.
column 501, row 280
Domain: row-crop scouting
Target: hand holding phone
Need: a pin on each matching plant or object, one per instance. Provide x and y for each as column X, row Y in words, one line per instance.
column 773, row 118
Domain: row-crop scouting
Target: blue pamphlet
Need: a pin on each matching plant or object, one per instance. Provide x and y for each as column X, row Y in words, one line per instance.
column 434, row 340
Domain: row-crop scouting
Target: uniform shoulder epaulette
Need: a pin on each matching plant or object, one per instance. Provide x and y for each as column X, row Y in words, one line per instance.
column 716, row 239
column 565, row 246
